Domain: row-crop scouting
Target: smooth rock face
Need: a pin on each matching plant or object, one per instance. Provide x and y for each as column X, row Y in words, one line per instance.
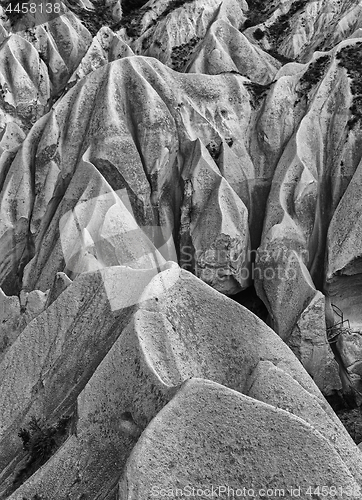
column 344, row 258
column 151, row 165
column 256, row 444
column 274, row 386
column 52, row 360
column 309, row 343
column 136, row 366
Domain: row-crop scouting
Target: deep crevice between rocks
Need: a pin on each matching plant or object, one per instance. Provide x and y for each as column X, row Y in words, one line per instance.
column 351, row 418
column 249, row 299
column 346, row 411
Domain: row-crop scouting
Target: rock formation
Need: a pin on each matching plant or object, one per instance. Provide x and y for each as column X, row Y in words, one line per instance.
column 154, row 164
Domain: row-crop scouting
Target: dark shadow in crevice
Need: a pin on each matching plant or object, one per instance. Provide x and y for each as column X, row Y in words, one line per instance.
column 132, row 5
column 348, row 414
column 249, row 299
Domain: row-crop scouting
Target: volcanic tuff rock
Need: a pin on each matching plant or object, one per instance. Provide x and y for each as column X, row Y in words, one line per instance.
column 253, row 439
column 152, row 166
column 172, row 335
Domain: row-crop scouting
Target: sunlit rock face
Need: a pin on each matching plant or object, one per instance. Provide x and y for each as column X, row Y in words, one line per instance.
column 153, row 166
column 192, row 424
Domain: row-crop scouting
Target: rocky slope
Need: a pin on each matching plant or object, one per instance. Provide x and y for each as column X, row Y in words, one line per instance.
column 157, row 166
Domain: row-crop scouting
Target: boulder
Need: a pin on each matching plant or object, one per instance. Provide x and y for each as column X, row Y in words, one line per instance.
column 210, row 436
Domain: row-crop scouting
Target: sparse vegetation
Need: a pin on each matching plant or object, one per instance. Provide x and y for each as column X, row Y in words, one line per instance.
column 174, row 4
column 350, row 57
column 214, row 149
column 133, row 15
column 279, row 29
column 257, row 92
column 182, row 53
column 315, row 71
column 259, row 11
column 313, row 75
column 40, row 442
column 259, row 34
column 282, row 25
column 131, row 21
column 93, row 20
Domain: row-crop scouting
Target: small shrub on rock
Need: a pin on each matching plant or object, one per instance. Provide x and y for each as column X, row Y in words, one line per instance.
column 258, row 34
column 350, row 57
column 40, row 442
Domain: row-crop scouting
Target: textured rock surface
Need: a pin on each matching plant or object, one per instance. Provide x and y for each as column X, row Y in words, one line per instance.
column 256, row 445
column 149, row 161
column 40, row 378
column 149, row 360
column 309, row 343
